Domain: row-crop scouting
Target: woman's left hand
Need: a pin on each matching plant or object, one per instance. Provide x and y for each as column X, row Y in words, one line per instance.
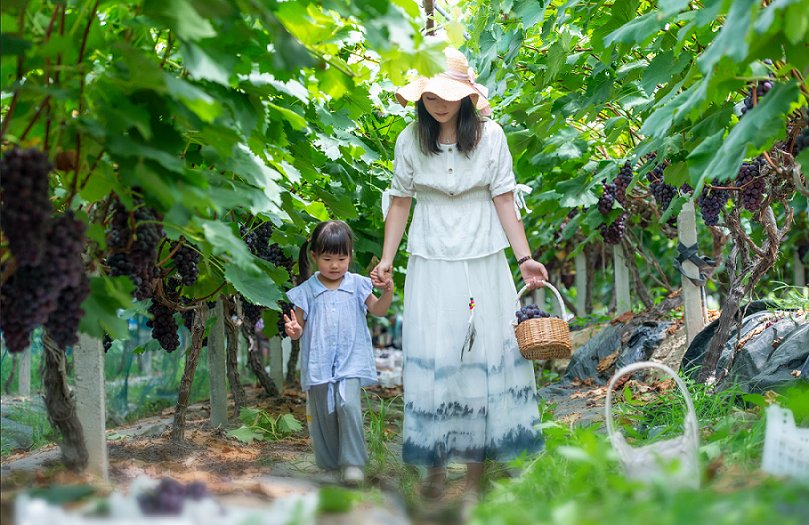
column 534, row 274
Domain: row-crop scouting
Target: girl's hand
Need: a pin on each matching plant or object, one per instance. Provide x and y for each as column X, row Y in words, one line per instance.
column 375, row 280
column 382, row 275
column 291, row 326
column 534, row 274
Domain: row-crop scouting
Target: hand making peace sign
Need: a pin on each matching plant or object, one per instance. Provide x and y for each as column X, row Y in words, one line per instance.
column 291, row 325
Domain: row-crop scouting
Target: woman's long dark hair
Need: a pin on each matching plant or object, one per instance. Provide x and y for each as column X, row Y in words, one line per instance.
column 470, row 128
column 328, row 237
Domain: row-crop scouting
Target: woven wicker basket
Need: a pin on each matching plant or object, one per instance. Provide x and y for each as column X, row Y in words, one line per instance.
column 544, row 338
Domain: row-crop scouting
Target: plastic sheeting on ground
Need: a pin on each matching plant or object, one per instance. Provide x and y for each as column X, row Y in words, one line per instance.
column 639, row 346
column 774, row 351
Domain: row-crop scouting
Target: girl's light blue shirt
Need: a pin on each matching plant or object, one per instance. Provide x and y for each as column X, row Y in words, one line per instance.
column 336, row 343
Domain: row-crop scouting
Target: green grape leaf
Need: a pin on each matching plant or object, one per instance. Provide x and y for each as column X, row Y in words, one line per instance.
column 107, row 296
column 257, row 286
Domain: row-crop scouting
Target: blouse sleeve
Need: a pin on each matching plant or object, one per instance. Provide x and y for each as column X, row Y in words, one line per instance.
column 297, row 296
column 364, row 288
column 503, row 180
column 402, row 185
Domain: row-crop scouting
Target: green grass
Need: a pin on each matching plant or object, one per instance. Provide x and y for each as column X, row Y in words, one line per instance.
column 43, row 432
column 578, row 480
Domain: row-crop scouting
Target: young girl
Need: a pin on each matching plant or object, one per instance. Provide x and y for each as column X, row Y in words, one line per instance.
column 336, row 355
column 469, row 395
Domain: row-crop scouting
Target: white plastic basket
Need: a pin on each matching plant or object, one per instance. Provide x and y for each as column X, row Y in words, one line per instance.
column 674, row 461
column 786, row 447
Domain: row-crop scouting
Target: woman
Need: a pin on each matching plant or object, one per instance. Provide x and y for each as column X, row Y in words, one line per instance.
column 469, row 394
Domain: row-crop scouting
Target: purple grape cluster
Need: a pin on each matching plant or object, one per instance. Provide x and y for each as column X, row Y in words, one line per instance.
column 119, row 264
column 752, row 185
column 31, row 296
column 163, row 325
column 186, row 259
column 607, row 199
column 276, row 255
column 761, row 88
column 258, row 239
column 531, row 311
column 622, row 182
column 26, row 209
column 148, row 234
column 63, row 323
column 613, row 233
column 134, row 253
column 655, row 175
column 663, row 194
column 118, row 230
column 168, row 498
column 711, row 202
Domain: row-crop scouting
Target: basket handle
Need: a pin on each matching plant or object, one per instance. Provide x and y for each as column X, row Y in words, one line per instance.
column 691, row 417
column 525, row 288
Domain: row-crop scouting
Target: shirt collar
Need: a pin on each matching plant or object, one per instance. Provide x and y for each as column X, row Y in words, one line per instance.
column 319, row 288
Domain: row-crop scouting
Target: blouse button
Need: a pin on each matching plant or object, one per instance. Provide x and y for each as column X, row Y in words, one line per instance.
column 449, row 170
column 450, row 150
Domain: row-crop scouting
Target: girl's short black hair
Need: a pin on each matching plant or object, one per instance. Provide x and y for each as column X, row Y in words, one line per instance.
column 470, row 128
column 328, row 237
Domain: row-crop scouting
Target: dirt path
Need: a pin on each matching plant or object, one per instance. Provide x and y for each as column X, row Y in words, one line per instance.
column 260, row 475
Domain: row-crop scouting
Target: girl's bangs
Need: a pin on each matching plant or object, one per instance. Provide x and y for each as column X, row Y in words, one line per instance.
column 335, row 241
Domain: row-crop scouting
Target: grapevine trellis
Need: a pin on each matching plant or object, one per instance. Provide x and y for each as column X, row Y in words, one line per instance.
column 171, row 164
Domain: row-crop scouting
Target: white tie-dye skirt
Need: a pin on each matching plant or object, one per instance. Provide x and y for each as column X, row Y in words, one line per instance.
column 481, row 406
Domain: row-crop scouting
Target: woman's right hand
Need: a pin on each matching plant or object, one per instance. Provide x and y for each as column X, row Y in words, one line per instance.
column 382, row 274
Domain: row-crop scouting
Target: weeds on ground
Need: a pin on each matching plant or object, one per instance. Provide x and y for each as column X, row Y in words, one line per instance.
column 384, row 427
column 547, row 377
column 261, row 426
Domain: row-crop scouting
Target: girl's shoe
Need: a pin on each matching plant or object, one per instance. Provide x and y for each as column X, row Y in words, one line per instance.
column 353, row 476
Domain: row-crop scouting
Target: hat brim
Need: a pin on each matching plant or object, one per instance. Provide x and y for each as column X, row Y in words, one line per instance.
column 443, row 87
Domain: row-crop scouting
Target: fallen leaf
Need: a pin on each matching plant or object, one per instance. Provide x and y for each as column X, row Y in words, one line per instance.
column 607, row 362
column 623, row 318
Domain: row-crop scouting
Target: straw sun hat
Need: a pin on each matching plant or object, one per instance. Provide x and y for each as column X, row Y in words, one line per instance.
column 455, row 83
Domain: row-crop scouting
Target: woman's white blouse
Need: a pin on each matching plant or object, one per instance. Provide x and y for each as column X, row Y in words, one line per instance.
column 454, row 217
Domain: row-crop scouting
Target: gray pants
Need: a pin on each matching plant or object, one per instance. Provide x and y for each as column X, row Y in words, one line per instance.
column 337, row 437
